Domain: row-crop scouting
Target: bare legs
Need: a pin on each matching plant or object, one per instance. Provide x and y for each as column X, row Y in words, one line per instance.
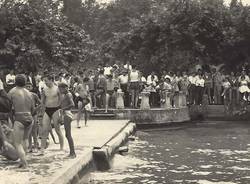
column 21, row 135
column 67, row 126
column 79, row 114
column 33, row 136
column 46, row 124
column 81, row 111
column 107, row 102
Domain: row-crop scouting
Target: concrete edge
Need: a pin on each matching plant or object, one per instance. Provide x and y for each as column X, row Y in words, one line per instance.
column 71, row 174
column 103, row 155
column 76, row 171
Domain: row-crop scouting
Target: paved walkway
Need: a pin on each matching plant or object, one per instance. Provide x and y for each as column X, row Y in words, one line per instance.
column 46, row 169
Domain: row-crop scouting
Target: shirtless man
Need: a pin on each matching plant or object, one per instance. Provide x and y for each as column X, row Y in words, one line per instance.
column 67, row 104
column 51, row 102
column 82, row 98
column 23, row 108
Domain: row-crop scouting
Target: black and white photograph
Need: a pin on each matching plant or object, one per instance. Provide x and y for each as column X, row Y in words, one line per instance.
column 124, row 91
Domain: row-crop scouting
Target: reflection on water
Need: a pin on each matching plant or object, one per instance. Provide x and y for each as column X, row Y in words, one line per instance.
column 214, row 154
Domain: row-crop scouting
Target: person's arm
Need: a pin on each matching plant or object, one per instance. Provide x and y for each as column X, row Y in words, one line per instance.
column 38, row 103
column 59, row 96
column 2, row 138
column 69, row 98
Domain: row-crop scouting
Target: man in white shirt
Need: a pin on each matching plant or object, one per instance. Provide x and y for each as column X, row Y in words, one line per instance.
column 123, row 80
column 200, row 84
column 192, row 80
column 108, row 69
column 152, row 81
column 10, row 80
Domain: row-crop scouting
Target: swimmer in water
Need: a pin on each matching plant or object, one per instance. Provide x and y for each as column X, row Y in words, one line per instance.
column 67, row 104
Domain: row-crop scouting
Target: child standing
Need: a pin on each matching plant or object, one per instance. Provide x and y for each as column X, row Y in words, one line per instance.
column 67, row 104
column 34, row 132
column 226, row 94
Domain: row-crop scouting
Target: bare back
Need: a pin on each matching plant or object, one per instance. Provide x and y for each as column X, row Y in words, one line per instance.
column 22, row 100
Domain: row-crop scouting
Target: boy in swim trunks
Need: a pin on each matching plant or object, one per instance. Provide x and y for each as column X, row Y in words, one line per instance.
column 34, row 132
column 82, row 96
column 67, row 104
column 23, row 108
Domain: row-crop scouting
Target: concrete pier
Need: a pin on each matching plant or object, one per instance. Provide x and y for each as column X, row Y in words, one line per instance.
column 55, row 168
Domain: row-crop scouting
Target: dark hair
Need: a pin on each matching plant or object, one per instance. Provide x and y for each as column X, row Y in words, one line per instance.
column 50, row 77
column 85, row 79
column 63, row 85
column 20, row 80
column 109, row 76
column 101, row 71
column 76, row 79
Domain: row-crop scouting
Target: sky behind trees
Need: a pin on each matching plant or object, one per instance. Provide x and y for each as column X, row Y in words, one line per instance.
column 245, row 2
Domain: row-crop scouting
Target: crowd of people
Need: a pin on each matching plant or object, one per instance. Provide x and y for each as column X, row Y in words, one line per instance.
column 53, row 96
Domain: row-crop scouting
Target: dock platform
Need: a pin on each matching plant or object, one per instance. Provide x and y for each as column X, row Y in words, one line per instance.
column 55, row 167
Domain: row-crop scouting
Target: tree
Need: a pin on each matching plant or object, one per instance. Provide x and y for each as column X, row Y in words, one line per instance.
column 35, row 35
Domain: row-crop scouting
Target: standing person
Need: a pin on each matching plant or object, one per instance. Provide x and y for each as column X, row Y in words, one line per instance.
column 184, row 84
column 134, row 79
column 244, row 92
column 110, row 92
column 82, row 99
column 67, row 104
column 7, row 147
column 217, row 80
column 108, row 69
column 208, row 86
column 51, row 101
column 226, row 94
column 101, row 89
column 10, row 80
column 175, row 84
column 91, row 84
column 152, row 80
column 123, row 80
column 200, row 84
column 192, row 80
column 41, row 85
column 34, row 131
column 234, row 93
column 23, row 108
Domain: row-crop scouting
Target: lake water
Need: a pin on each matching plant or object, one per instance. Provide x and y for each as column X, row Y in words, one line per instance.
column 211, row 153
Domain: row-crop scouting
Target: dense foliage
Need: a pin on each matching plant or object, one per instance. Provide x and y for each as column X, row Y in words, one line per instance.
column 153, row 34
column 34, row 35
column 177, row 34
